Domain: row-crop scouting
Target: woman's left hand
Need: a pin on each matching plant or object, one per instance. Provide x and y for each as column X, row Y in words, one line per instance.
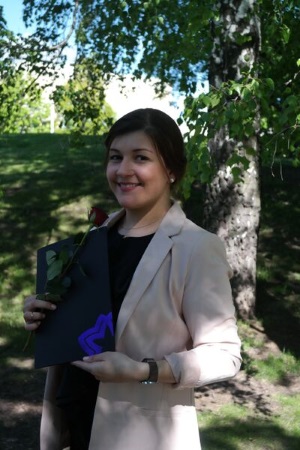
column 113, row 367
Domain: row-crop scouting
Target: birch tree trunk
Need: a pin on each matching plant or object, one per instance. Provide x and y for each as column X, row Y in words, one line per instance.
column 232, row 210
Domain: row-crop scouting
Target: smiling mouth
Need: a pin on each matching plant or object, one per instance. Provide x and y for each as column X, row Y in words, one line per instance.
column 128, row 186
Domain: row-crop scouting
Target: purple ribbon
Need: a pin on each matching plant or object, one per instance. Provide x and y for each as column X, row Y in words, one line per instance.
column 97, row 332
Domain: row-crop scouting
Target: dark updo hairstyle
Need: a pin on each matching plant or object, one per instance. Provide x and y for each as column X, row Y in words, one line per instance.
column 161, row 129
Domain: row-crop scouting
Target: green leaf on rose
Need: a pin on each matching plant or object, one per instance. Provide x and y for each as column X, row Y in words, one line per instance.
column 64, row 255
column 55, row 287
column 54, row 269
column 50, row 256
column 55, row 298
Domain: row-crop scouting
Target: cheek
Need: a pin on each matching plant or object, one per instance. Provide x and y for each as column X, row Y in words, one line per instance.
column 108, row 171
column 109, row 175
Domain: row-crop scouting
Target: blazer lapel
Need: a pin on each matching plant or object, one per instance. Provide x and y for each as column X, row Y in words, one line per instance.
column 153, row 257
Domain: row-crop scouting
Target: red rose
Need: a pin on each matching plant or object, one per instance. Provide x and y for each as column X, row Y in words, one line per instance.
column 97, row 216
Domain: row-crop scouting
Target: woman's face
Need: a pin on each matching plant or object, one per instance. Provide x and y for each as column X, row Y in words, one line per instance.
column 136, row 173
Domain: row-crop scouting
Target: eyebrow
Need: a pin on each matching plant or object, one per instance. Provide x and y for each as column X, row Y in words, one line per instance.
column 134, row 150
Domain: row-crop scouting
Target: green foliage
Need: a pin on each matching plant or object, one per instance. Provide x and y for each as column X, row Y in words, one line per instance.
column 81, row 102
column 175, row 43
column 233, row 106
column 21, row 106
column 118, row 32
column 22, row 109
column 61, row 262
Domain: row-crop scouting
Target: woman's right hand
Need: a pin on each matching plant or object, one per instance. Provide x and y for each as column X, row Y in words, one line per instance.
column 34, row 311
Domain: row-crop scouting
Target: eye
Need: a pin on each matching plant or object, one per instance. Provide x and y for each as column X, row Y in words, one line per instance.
column 141, row 157
column 114, row 157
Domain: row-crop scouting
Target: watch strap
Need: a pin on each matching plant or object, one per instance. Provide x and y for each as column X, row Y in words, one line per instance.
column 153, row 371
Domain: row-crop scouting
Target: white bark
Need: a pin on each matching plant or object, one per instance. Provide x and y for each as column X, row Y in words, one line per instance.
column 232, row 210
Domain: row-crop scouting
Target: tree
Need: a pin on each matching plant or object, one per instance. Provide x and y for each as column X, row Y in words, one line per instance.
column 22, row 108
column 23, row 111
column 81, row 102
column 248, row 52
column 232, row 206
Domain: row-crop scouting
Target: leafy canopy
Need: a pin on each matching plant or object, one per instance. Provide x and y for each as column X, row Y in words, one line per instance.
column 21, row 106
column 81, row 102
column 172, row 40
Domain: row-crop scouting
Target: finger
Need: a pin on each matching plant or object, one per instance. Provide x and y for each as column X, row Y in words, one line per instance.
column 29, row 316
column 32, row 326
column 93, row 358
column 104, row 356
column 33, row 316
column 83, row 365
column 31, row 303
column 42, row 304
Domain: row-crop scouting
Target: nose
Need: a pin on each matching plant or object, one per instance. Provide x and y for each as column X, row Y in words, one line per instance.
column 125, row 168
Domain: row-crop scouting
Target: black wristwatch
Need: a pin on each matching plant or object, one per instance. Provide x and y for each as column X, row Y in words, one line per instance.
column 153, row 371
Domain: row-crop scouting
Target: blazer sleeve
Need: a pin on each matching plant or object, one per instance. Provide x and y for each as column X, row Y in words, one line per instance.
column 209, row 314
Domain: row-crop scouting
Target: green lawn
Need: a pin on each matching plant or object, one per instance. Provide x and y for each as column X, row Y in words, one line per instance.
column 47, row 186
column 233, row 427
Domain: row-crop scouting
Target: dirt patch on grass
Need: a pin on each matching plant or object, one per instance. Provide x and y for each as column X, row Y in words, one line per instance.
column 22, row 387
column 257, row 395
column 250, row 391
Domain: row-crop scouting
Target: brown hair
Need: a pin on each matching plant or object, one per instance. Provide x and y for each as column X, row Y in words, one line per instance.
column 162, row 130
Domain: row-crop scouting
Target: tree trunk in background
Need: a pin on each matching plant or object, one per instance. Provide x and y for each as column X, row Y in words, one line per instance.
column 232, row 210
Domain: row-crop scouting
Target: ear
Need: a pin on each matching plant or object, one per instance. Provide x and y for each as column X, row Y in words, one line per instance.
column 171, row 176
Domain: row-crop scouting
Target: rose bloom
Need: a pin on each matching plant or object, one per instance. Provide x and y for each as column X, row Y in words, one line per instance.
column 97, row 216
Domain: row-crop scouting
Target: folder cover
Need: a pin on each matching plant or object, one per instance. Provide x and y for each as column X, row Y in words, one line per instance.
column 82, row 323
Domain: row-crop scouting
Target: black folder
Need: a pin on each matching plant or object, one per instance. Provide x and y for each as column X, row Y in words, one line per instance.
column 82, row 323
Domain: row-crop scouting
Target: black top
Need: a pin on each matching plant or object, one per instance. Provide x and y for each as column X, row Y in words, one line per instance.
column 78, row 389
column 124, row 255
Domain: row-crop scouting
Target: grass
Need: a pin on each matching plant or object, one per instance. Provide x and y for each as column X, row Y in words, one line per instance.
column 48, row 185
column 234, row 427
column 276, row 369
column 48, row 188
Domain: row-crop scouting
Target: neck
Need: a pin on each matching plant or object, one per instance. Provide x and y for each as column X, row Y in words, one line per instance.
column 137, row 219
column 142, row 224
column 136, row 227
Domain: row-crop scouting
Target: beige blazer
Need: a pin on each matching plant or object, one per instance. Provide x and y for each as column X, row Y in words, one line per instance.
column 178, row 307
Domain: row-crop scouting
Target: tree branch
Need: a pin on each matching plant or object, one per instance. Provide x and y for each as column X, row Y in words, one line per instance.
column 63, row 43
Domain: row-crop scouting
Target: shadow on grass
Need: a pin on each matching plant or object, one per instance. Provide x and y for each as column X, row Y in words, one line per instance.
column 21, row 390
column 278, row 286
column 21, row 431
column 41, row 173
column 251, row 434
column 20, row 407
column 278, row 290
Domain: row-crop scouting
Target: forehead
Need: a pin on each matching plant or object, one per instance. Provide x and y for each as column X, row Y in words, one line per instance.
column 135, row 140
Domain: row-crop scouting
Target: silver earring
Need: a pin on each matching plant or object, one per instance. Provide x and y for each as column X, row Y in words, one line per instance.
column 172, row 179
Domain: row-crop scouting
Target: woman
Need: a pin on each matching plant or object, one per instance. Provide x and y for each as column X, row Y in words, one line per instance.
column 170, row 293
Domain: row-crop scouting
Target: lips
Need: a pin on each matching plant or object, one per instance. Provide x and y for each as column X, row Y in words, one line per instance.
column 128, row 186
